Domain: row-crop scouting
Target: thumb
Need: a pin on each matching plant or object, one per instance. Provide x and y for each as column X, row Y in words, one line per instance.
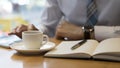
column 32, row 27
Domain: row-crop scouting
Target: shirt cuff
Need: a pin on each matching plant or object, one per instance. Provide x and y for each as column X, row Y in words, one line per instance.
column 41, row 28
column 104, row 32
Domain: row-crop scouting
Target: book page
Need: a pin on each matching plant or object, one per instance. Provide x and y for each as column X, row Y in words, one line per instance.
column 64, row 49
column 109, row 46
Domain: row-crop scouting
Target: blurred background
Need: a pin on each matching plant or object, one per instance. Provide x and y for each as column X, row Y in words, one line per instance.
column 15, row 12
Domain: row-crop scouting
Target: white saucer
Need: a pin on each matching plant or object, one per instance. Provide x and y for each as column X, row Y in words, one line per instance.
column 19, row 47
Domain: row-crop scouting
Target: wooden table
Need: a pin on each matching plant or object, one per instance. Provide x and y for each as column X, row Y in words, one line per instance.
column 11, row 59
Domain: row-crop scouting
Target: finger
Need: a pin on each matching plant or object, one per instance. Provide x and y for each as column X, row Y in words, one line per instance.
column 21, row 28
column 14, row 30
column 11, row 33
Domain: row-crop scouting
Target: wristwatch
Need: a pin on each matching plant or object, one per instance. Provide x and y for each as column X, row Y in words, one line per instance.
column 88, row 32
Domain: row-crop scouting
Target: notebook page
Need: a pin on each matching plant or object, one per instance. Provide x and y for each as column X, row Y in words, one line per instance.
column 110, row 45
column 64, row 48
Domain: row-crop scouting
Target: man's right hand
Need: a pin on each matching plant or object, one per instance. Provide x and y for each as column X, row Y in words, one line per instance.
column 19, row 29
column 69, row 31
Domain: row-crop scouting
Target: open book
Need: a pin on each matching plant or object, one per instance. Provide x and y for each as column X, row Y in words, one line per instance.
column 108, row 49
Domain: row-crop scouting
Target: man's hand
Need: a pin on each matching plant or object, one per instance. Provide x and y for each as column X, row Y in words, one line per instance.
column 69, row 31
column 19, row 29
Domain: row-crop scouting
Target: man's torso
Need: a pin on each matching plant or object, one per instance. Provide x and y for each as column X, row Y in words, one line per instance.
column 75, row 11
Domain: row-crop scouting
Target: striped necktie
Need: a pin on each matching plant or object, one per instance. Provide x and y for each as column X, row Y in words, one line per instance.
column 91, row 14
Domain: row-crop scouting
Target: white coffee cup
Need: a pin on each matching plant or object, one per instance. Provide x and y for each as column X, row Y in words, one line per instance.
column 34, row 39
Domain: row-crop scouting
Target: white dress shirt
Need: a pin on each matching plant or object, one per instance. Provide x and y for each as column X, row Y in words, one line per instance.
column 74, row 11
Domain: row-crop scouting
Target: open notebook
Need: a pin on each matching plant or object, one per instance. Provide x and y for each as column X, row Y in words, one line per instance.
column 108, row 49
column 7, row 40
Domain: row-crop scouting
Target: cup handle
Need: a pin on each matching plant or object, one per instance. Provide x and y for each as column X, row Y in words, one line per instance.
column 45, row 39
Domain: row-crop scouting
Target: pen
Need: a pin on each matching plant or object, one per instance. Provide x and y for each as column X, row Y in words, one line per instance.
column 79, row 44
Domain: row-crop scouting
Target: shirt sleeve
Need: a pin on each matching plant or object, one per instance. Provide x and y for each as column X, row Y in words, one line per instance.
column 104, row 32
column 50, row 17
